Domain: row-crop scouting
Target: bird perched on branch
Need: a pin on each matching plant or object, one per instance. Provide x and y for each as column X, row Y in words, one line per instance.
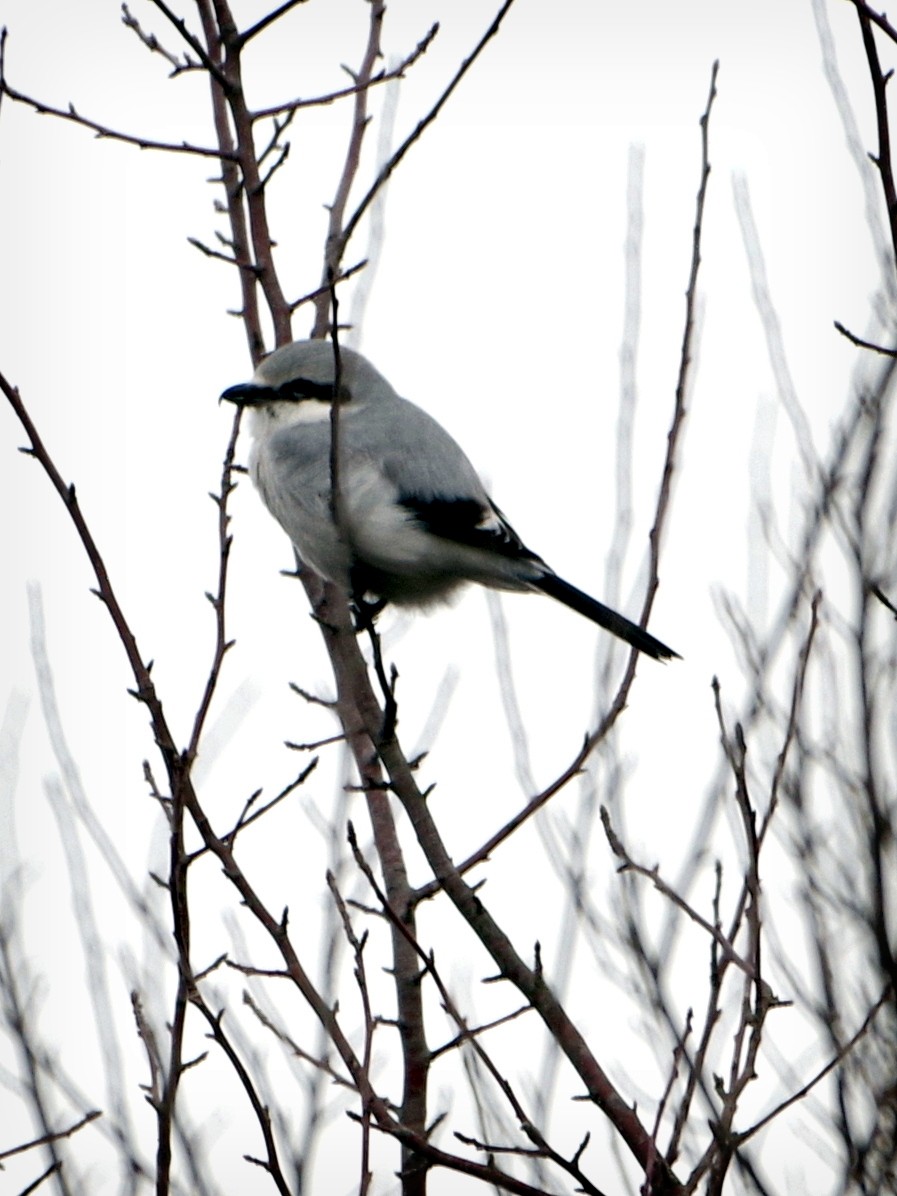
column 408, row 519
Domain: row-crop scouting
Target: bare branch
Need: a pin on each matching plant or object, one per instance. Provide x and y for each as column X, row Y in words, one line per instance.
column 422, row 125
column 382, row 76
column 862, row 344
column 250, row 233
column 194, row 43
column 878, row 18
column 152, row 43
column 471, row 1036
column 104, row 131
column 271, row 1163
column 685, row 360
column 269, row 19
column 325, row 288
column 358, row 946
column 222, row 644
column 53, row 1169
column 53, row 1137
column 323, row 1065
column 822, row 1073
column 653, row 875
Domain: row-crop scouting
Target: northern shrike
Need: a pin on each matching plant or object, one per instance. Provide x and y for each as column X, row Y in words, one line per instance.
column 412, row 521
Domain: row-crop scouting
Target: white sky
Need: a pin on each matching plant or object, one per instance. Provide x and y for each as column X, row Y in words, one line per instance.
column 497, row 307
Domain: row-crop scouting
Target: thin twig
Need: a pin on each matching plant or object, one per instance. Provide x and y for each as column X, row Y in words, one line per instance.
column 837, row 1058
column 222, row 643
column 153, row 44
column 628, row 864
column 358, row 945
column 342, row 93
column 685, row 357
column 422, row 125
column 271, row 1164
column 882, row 597
column 194, row 43
column 53, row 1169
column 797, row 691
column 104, row 131
column 268, row 19
column 322, row 1065
column 246, row 819
column 863, row 344
column 325, row 288
column 52, row 1137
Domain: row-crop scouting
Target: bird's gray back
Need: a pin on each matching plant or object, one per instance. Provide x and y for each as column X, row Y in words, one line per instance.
column 412, row 450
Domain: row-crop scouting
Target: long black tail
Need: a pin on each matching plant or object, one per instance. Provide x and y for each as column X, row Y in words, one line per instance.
column 616, row 624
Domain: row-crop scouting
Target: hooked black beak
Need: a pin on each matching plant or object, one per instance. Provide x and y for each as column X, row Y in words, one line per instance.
column 246, row 394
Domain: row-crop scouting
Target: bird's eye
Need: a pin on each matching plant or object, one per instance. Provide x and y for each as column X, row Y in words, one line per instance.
column 298, row 390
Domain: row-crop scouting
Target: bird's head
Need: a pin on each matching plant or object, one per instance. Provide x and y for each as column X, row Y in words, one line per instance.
column 302, row 380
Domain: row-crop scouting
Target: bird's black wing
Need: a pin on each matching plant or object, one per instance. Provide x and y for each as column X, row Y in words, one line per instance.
column 468, row 521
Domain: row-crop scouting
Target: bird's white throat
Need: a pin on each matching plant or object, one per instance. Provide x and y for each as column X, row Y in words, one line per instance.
column 279, row 414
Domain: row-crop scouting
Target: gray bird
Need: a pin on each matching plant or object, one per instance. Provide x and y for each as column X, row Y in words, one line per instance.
column 412, row 522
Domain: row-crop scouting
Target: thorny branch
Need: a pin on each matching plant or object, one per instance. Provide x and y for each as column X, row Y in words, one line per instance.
column 472, row 1038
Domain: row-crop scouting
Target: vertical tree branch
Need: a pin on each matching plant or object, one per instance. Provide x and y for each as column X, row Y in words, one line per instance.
column 683, row 380
column 879, row 90
column 233, row 188
column 225, row 47
column 337, row 238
